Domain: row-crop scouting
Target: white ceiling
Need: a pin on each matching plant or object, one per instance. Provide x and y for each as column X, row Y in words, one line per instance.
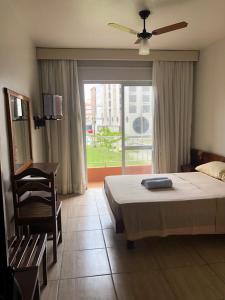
column 83, row 23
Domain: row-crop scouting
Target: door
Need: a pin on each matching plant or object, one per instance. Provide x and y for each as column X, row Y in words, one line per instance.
column 136, row 128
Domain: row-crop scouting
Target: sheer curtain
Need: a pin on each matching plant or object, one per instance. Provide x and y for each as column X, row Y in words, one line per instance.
column 65, row 137
column 173, row 95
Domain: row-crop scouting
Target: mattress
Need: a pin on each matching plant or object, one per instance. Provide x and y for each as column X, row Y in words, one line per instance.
column 195, row 205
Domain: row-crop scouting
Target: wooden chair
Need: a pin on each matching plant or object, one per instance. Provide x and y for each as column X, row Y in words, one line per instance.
column 36, row 205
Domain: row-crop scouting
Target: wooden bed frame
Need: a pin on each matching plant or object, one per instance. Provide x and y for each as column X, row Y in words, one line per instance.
column 199, row 157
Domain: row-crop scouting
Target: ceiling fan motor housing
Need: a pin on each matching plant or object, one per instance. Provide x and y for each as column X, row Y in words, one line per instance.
column 144, row 35
column 144, row 14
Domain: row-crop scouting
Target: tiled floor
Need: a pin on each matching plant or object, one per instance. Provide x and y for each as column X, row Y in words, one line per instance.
column 94, row 263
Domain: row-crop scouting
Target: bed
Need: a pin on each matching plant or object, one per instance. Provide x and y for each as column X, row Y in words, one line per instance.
column 195, row 205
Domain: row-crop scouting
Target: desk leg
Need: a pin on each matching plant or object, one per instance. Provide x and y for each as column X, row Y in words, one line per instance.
column 37, row 291
column 45, row 278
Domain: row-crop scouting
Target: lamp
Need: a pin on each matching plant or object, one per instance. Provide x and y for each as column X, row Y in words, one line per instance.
column 52, row 108
column 144, row 47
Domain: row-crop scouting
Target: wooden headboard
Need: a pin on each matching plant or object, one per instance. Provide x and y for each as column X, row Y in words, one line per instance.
column 199, row 157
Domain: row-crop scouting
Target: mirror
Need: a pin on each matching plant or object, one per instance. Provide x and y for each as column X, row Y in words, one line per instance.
column 18, row 111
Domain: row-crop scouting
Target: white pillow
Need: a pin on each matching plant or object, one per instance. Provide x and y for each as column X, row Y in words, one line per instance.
column 214, row 168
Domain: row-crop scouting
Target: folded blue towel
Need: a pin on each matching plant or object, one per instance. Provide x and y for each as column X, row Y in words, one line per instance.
column 153, row 178
column 158, row 184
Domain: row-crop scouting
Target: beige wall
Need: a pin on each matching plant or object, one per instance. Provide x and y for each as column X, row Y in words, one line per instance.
column 209, row 108
column 18, row 71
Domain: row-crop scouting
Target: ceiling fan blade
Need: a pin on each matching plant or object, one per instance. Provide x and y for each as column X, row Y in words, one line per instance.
column 123, row 28
column 137, row 41
column 170, row 28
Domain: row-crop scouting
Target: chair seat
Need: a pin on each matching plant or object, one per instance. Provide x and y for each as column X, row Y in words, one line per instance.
column 36, row 210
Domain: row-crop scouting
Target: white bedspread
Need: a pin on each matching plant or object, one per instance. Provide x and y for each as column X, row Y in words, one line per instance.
column 195, row 205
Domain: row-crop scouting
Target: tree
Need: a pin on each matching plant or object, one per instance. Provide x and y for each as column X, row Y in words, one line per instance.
column 108, row 138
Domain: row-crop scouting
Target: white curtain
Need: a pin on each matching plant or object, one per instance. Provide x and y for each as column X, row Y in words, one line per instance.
column 65, row 137
column 173, row 95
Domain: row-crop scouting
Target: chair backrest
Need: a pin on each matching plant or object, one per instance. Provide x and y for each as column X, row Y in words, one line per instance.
column 34, row 180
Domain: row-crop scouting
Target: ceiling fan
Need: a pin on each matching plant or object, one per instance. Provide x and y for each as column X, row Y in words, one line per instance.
column 144, row 36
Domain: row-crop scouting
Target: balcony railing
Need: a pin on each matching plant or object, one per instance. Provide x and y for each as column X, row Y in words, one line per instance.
column 106, row 151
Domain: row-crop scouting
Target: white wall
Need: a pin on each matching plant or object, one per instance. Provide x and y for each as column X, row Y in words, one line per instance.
column 209, row 107
column 18, row 71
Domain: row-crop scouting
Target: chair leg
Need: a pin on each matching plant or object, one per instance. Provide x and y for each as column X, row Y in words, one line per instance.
column 55, row 237
column 60, row 227
column 17, row 230
column 45, row 278
column 26, row 230
column 37, row 291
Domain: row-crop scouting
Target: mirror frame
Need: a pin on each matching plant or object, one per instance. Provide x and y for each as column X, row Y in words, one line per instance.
column 9, row 93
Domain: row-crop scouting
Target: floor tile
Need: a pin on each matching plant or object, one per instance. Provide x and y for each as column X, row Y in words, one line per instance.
column 211, row 248
column 170, row 254
column 106, row 221
column 54, row 269
column 219, row 269
column 158, row 268
column 50, row 291
column 195, row 283
column 70, row 200
column 72, row 211
column 100, row 198
column 103, row 210
column 95, row 185
column 86, row 201
column 84, row 263
column 139, row 286
column 78, row 210
column 87, row 198
column 81, row 240
column 86, row 210
column 124, row 260
column 83, row 223
column 113, row 239
column 88, row 288
column 89, row 195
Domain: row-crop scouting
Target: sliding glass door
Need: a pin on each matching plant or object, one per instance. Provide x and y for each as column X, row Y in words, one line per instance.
column 136, row 128
column 118, row 128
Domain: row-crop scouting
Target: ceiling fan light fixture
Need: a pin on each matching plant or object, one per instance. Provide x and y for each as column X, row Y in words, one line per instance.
column 144, row 47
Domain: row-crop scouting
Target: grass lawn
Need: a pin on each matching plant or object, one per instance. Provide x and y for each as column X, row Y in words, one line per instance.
column 102, row 157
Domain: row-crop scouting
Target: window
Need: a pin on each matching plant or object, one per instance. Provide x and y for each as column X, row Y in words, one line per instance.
column 141, row 125
column 146, row 108
column 132, row 104
column 146, row 89
column 117, row 116
column 146, row 99
column 146, row 103
column 132, row 109
column 132, row 89
column 132, row 98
